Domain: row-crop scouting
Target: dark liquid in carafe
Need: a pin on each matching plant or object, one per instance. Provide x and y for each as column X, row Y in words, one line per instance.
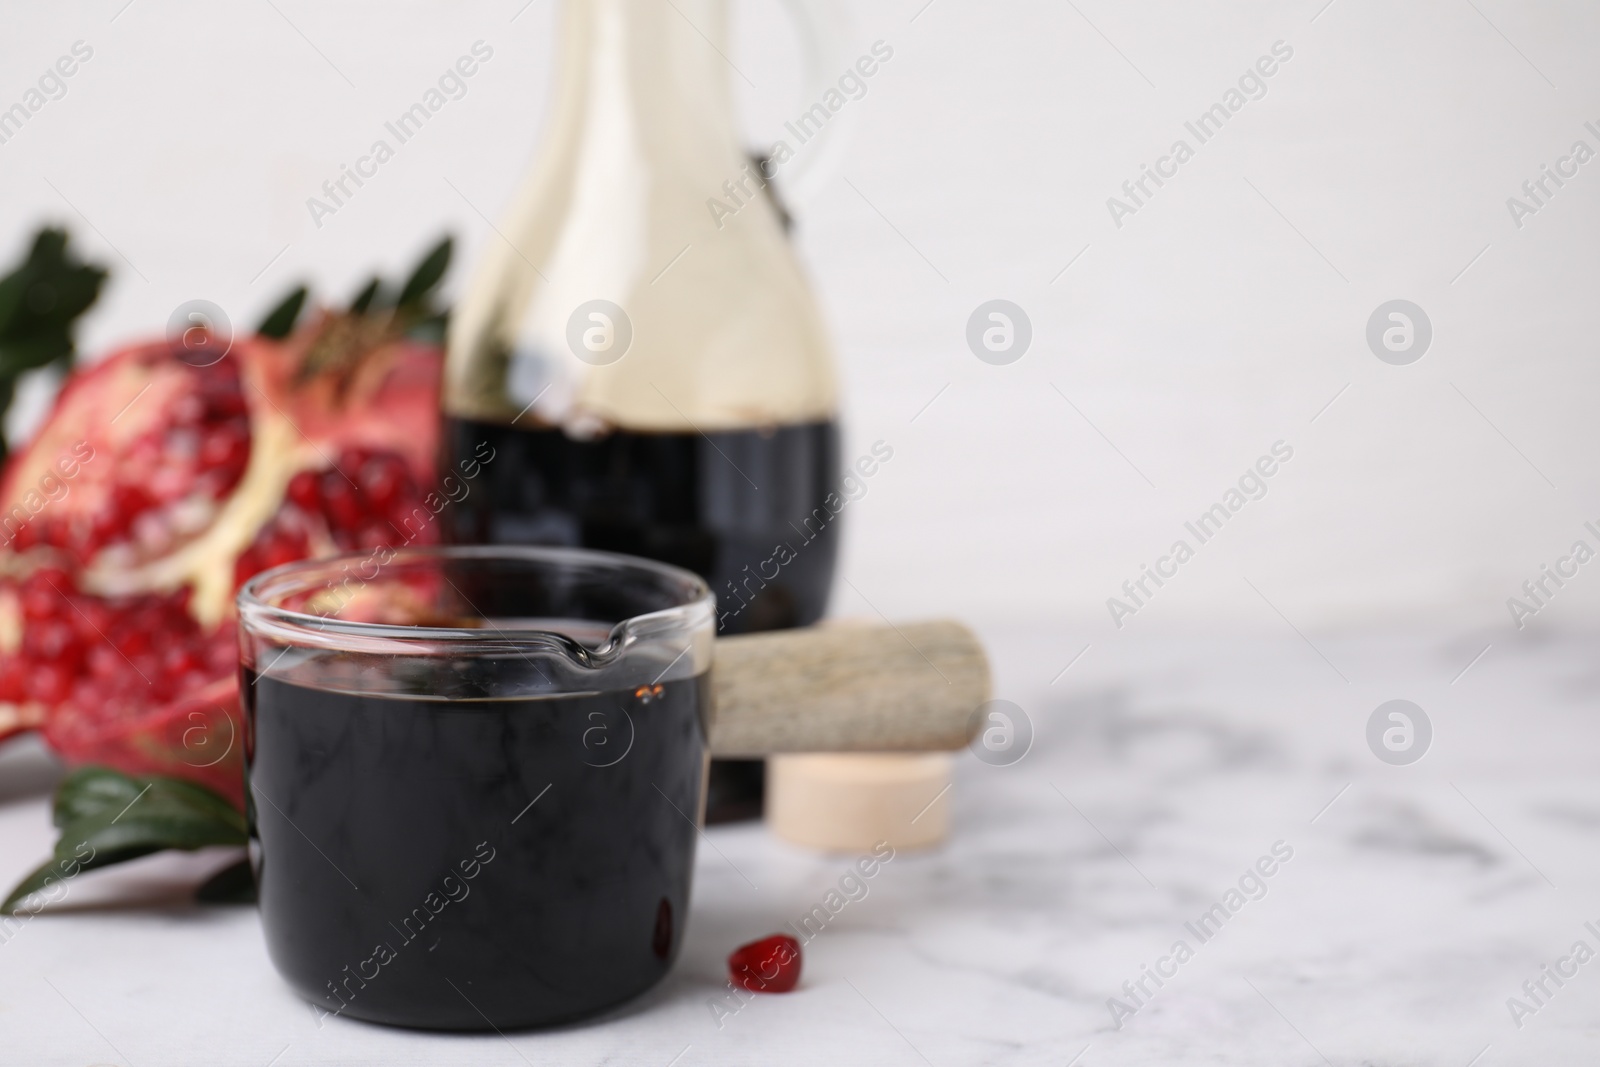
column 536, row 853
column 745, row 509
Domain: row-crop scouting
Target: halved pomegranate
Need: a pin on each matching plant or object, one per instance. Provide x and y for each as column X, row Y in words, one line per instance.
column 165, row 476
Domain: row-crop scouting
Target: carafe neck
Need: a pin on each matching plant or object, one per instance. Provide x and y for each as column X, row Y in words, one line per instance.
column 658, row 65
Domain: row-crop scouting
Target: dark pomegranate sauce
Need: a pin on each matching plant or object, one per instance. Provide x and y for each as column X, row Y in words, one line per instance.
column 744, row 509
column 473, row 863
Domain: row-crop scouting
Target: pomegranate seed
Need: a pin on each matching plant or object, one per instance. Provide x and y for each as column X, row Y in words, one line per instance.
column 231, row 404
column 179, row 660
column 340, row 503
column 105, row 527
column 405, row 507
column 247, row 566
column 105, row 661
column 188, row 408
column 381, row 478
column 227, row 476
column 226, row 446
column 52, row 641
column 53, row 579
column 222, row 655
column 90, row 618
column 13, row 679
column 40, row 601
column 53, row 532
column 127, row 501
column 49, row 683
column 148, row 668
column 153, row 532
column 88, row 693
column 374, row 534
column 149, row 616
column 304, row 493
column 771, row 965
column 132, row 641
column 219, row 383
column 280, row 551
column 183, row 442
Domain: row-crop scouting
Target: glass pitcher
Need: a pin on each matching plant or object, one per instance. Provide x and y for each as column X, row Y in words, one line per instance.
column 639, row 352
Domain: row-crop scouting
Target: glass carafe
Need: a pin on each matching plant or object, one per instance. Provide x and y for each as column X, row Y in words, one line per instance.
column 639, row 364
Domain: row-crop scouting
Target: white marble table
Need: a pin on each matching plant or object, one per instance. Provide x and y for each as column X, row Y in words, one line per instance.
column 1417, row 901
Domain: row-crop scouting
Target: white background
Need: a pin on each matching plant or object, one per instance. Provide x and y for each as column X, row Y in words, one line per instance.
column 1210, row 325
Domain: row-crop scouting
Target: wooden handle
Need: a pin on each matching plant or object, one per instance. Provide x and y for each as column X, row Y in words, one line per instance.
column 847, row 689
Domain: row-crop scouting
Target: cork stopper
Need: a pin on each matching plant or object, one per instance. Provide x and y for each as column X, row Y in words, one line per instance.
column 849, row 801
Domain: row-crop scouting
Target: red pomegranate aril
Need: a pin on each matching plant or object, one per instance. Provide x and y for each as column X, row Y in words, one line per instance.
column 51, row 640
column 304, row 492
column 247, row 566
column 222, row 654
column 127, row 501
column 226, row 446
column 88, row 691
column 381, row 478
column 179, row 660
column 149, row 616
column 132, row 641
column 375, row 534
column 104, row 527
column 40, row 601
column 280, row 552
column 90, row 618
column 13, row 680
column 49, row 683
column 183, row 442
column 188, row 408
column 105, row 661
column 152, row 532
column 771, row 965
column 339, row 502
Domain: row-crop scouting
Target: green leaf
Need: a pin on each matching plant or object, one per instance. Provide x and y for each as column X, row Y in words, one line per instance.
column 91, row 791
column 364, row 299
column 153, row 828
column 280, row 321
column 63, row 870
column 91, row 794
column 8, row 390
column 48, row 289
column 40, row 301
column 108, row 817
column 49, row 342
column 428, row 274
